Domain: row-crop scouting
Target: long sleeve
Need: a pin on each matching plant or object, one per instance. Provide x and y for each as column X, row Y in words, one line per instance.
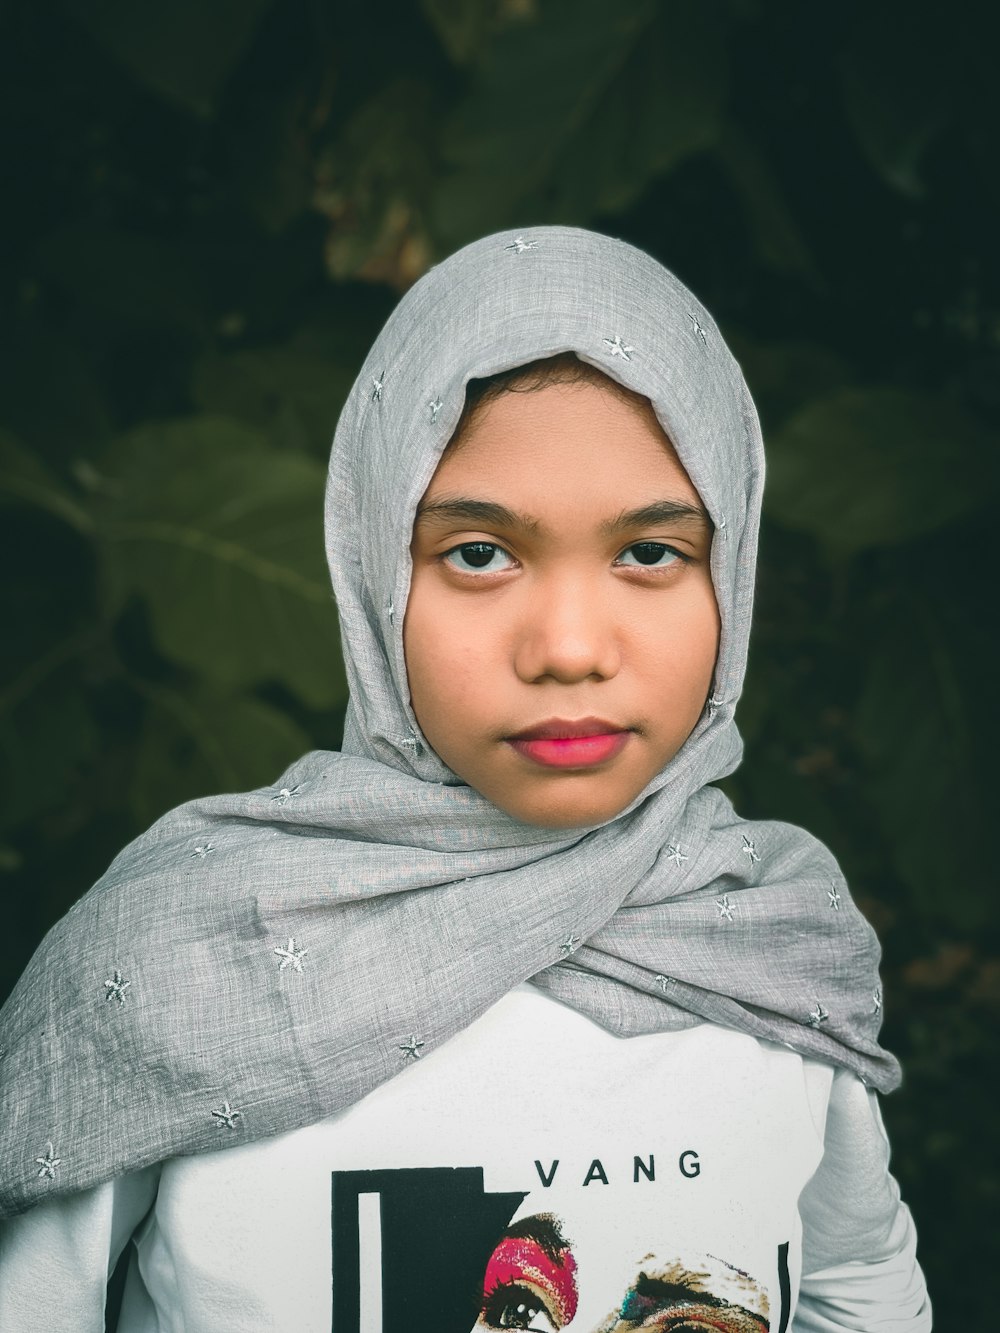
column 55, row 1261
column 859, row 1261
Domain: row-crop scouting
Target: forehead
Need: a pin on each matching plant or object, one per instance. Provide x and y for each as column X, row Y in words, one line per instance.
column 565, row 369
column 550, row 389
column 581, row 436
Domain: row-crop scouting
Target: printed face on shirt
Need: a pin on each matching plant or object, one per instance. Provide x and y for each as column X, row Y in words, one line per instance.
column 533, row 1282
column 560, row 583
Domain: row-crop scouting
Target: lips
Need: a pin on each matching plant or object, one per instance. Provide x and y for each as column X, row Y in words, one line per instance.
column 558, row 728
column 584, row 743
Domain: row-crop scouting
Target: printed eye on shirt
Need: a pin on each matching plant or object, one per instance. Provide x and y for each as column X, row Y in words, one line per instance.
column 432, row 1249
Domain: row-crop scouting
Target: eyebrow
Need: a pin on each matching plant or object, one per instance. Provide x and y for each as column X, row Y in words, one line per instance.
column 657, row 1295
column 490, row 514
column 544, row 1230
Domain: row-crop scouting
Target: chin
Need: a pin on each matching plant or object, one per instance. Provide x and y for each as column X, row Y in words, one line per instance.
column 568, row 814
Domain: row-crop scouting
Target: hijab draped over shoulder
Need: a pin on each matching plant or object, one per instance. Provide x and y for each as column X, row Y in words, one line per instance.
column 258, row 961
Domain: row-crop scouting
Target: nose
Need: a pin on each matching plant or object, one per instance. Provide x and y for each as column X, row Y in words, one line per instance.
column 566, row 633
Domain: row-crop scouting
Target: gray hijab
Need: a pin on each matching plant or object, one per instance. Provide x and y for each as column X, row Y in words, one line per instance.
column 258, row 961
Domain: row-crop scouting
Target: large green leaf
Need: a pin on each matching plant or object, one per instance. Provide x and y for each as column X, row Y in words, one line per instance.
column 206, row 740
column 221, row 535
column 876, row 467
column 184, row 50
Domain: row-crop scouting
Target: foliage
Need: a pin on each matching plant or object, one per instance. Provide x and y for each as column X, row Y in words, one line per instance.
column 215, row 207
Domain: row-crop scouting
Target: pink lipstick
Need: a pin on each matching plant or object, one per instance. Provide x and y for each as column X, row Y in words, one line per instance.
column 559, row 743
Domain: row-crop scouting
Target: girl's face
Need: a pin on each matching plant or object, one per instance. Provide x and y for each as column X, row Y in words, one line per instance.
column 561, row 630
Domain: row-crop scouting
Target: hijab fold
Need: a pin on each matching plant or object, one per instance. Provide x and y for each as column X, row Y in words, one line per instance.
column 258, row 961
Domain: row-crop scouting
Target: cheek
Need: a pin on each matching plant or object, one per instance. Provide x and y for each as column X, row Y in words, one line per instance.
column 705, row 630
column 683, row 648
column 447, row 664
column 422, row 651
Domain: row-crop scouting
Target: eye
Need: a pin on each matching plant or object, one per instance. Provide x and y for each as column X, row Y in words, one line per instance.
column 650, row 555
column 516, row 1306
column 477, row 557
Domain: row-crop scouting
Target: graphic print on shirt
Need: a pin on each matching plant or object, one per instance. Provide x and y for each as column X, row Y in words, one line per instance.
column 432, row 1249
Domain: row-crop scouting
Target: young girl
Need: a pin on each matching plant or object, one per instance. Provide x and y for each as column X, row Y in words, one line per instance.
column 502, row 1015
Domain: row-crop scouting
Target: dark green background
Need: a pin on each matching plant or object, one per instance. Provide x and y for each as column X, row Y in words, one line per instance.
column 211, row 206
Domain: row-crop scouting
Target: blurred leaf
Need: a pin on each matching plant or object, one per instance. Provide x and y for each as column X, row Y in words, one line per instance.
column 10, row 859
column 138, row 280
column 778, row 239
column 293, row 392
column 275, row 166
column 47, row 735
column 914, row 728
column 221, row 535
column 462, row 25
column 184, row 50
column 47, row 598
column 372, row 183
column 787, row 375
column 895, row 76
column 207, row 740
column 48, row 393
column 25, row 479
column 665, row 103
column 876, row 467
column 535, row 86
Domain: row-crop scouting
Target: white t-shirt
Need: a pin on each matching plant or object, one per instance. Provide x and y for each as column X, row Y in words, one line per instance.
column 533, row 1172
